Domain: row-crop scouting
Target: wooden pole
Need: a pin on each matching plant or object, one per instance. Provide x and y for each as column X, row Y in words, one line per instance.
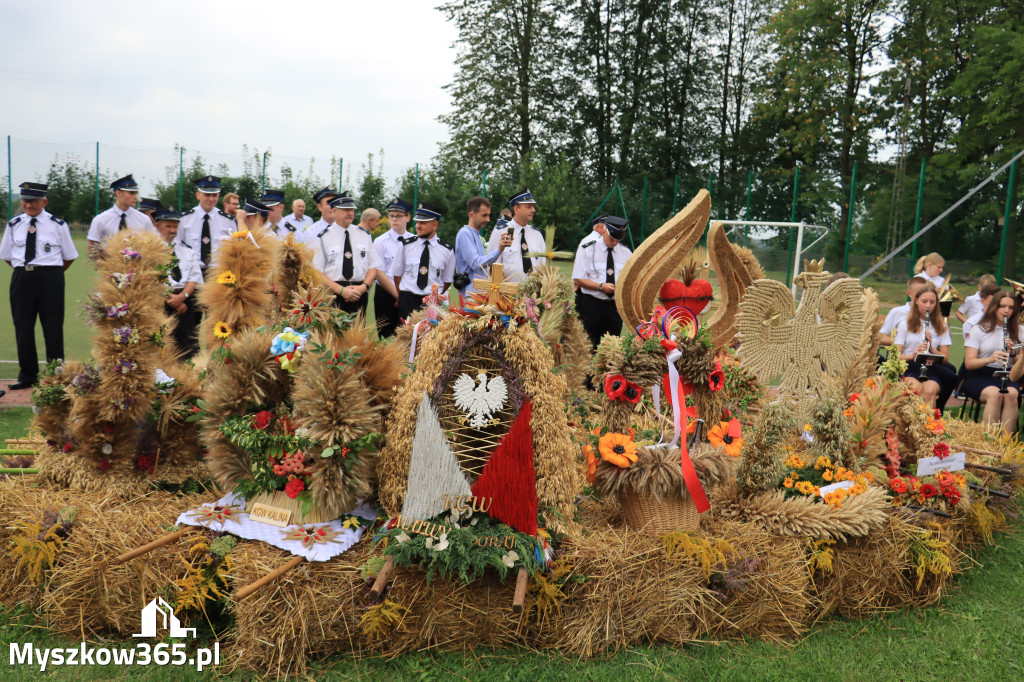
column 156, row 544
column 520, row 595
column 382, row 578
column 270, row 577
column 984, row 467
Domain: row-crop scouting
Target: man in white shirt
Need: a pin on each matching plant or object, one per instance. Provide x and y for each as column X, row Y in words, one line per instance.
column 183, row 279
column 273, row 199
column 344, row 255
column 595, row 271
column 205, row 226
column 525, row 239
column 423, row 262
column 297, row 218
column 323, row 200
column 38, row 246
column 387, row 246
column 121, row 216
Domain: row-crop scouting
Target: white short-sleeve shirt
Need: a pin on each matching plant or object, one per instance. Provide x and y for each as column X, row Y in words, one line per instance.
column 909, row 340
column 894, row 317
column 329, row 252
column 107, row 224
column 524, row 240
column 407, row 264
column 188, row 267
column 987, row 343
column 53, row 240
column 592, row 263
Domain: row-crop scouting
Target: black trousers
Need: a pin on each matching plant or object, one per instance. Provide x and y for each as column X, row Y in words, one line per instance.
column 352, row 307
column 386, row 312
column 37, row 293
column 599, row 317
column 185, row 333
column 408, row 303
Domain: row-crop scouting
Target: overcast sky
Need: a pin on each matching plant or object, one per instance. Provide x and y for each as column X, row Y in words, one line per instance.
column 303, row 78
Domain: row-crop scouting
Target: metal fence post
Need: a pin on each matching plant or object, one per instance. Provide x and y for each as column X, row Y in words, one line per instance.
column 598, row 210
column 97, row 193
column 181, row 176
column 849, row 219
column 263, row 180
column 10, row 187
column 622, row 204
column 675, row 193
column 746, row 214
column 643, row 212
column 483, row 184
column 792, row 219
column 341, row 177
column 711, row 184
column 1006, row 221
column 917, row 214
column 416, row 189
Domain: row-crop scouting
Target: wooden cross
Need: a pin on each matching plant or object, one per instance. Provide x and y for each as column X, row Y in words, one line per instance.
column 495, row 285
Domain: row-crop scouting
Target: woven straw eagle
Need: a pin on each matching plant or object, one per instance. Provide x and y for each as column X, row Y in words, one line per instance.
column 805, row 344
column 480, row 401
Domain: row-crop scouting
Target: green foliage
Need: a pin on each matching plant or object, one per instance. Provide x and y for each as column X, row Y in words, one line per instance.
column 760, row 467
column 461, row 554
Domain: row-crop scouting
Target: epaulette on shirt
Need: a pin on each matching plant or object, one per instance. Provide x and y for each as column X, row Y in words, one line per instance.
column 56, row 219
column 408, row 240
column 226, row 215
column 14, row 221
column 190, row 211
column 589, row 244
column 291, row 227
column 185, row 244
column 364, row 229
column 323, row 232
column 445, row 244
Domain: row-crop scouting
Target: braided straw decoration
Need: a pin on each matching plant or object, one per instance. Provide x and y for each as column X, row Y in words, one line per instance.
column 776, row 338
column 733, row 280
column 657, row 259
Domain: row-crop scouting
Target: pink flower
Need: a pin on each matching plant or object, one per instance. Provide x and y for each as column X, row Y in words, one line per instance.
column 941, row 450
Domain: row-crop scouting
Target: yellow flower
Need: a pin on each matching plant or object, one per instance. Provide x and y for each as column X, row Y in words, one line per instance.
column 788, row 482
column 827, row 474
column 227, row 277
column 822, row 462
column 795, row 462
column 221, row 330
column 805, row 487
column 351, row 522
column 869, row 383
column 240, row 234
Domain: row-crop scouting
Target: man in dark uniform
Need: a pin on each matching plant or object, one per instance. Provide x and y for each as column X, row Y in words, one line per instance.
column 255, row 213
column 183, row 279
column 39, row 248
column 595, row 271
column 424, row 260
column 387, row 246
column 344, row 255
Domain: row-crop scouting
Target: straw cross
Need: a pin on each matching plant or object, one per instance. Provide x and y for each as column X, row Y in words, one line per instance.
column 495, row 285
column 549, row 248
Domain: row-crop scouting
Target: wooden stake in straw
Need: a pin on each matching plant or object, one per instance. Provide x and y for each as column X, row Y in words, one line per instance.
column 156, row 544
column 382, row 578
column 248, row 590
column 520, row 595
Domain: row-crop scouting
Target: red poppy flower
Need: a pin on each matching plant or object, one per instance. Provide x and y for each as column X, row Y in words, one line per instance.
column 716, row 380
column 854, row 397
column 614, row 385
column 952, row 495
column 294, row 487
column 928, row 490
column 69, row 446
column 941, row 450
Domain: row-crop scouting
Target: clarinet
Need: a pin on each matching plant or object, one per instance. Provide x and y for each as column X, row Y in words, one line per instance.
column 1006, row 363
column 923, row 373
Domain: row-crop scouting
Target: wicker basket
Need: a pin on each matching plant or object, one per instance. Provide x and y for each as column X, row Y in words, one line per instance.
column 657, row 517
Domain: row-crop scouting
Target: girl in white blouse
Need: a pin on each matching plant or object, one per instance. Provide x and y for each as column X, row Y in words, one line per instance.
column 986, row 351
column 930, row 267
column 912, row 339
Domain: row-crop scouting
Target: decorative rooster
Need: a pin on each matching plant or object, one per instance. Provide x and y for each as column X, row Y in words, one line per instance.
column 480, row 401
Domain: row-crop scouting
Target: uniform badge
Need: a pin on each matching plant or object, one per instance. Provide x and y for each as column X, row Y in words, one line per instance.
column 610, row 271
column 348, row 254
column 524, row 246
column 32, row 229
column 423, row 270
column 206, row 240
column 46, row 248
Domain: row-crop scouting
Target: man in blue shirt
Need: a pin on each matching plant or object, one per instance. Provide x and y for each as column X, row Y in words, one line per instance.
column 470, row 255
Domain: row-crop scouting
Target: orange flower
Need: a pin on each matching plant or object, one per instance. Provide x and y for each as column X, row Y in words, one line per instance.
column 719, row 437
column 591, row 463
column 618, row 449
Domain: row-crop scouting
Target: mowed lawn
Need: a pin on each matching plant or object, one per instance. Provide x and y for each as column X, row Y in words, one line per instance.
column 80, row 278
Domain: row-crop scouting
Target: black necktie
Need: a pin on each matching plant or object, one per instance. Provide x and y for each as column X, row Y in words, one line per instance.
column 123, row 225
column 609, row 273
column 523, row 247
column 204, row 245
column 30, row 242
column 422, row 279
column 346, row 263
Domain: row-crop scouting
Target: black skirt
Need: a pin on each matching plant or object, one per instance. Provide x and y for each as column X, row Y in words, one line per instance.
column 977, row 380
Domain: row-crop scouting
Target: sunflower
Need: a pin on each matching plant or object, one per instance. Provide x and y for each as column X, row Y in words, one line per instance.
column 227, row 277
column 221, row 330
column 618, row 449
column 719, row 437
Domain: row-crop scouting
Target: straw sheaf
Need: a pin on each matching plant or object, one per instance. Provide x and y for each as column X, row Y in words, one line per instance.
column 657, row 472
column 250, row 301
column 805, row 516
column 294, row 267
column 252, row 377
column 733, row 280
column 179, row 439
column 573, row 354
column 123, row 479
column 865, row 365
column 876, row 574
column 558, row 477
column 749, row 261
column 52, row 420
column 657, row 258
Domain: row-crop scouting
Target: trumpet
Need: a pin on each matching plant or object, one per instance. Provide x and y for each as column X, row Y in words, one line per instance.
column 923, row 373
column 1005, row 371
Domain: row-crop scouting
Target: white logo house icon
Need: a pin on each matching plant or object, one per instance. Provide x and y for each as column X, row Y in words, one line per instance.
column 170, row 622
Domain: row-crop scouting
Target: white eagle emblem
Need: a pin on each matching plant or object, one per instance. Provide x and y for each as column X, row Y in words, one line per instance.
column 480, row 401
